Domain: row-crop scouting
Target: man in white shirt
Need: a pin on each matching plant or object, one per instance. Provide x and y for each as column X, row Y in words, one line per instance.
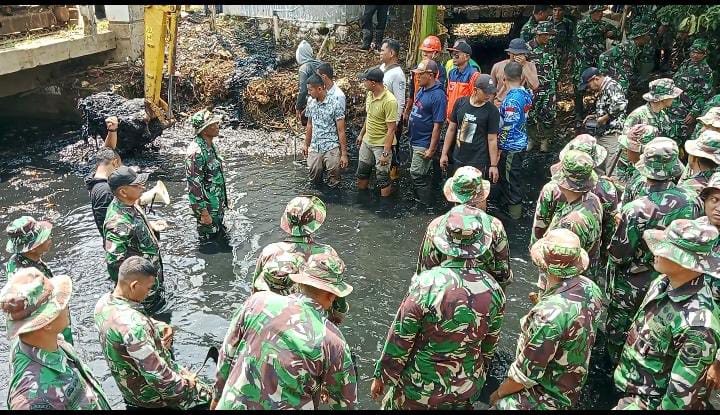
column 395, row 81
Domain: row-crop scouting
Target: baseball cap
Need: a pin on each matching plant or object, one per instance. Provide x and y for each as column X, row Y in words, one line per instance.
column 461, row 46
column 427, row 65
column 586, row 76
column 125, row 176
column 373, row 74
column 485, row 83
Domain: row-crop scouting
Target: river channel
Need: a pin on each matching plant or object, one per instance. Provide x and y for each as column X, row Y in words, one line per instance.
column 41, row 174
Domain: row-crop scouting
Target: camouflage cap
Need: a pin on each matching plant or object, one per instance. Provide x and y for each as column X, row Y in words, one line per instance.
column 638, row 30
column 31, row 301
column 659, row 160
column 303, row 215
column 699, row 45
column 661, row 89
column 711, row 118
column 587, row 144
column 638, row 135
column 324, row 271
column 275, row 275
column 560, row 253
column 25, row 234
column 202, row 119
column 713, row 184
column 596, row 7
column 545, row 27
column 461, row 234
column 707, row 146
column 688, row 243
column 575, row 171
column 466, row 185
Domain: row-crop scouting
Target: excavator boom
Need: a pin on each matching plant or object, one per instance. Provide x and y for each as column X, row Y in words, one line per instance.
column 160, row 37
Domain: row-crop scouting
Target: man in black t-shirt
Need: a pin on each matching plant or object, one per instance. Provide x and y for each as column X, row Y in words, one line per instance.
column 474, row 125
column 107, row 161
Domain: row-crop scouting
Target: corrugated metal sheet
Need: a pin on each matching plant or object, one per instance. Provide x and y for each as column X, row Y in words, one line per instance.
column 331, row 14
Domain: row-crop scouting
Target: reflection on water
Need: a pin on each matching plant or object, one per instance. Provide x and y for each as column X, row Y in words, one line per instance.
column 378, row 243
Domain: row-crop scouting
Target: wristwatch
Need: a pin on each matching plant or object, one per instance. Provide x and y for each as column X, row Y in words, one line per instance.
column 385, row 154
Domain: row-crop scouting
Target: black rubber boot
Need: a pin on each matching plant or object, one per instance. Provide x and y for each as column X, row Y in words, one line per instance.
column 366, row 39
column 379, row 38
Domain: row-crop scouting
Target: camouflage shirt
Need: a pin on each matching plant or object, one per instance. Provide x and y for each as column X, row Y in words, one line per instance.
column 619, row 62
column 127, row 233
column 144, row 370
column 545, row 60
column 697, row 182
column 611, row 101
column 644, row 115
column 279, row 352
column 205, row 179
column 564, row 32
column 495, row 260
column 553, row 351
column 697, row 82
column 590, row 41
column 712, row 102
column 442, row 339
column 528, row 30
column 59, row 380
column 671, row 344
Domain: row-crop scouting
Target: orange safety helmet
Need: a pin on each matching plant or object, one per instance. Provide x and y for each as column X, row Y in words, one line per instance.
column 431, row 44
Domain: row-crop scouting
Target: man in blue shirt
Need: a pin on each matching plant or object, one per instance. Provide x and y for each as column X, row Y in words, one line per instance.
column 426, row 120
column 512, row 140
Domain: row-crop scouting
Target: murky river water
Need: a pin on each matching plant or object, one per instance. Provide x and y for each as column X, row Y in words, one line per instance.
column 41, row 175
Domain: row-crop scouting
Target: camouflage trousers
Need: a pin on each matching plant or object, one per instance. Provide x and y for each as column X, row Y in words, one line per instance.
column 395, row 399
column 626, row 293
column 527, row 399
column 636, row 402
column 544, row 109
column 217, row 228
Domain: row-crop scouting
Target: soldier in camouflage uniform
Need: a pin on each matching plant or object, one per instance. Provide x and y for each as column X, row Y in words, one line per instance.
column 631, row 145
column 137, row 347
column 660, row 97
column 563, row 40
column 675, row 335
column 696, row 77
column 447, row 327
column 644, row 14
column 28, row 241
column 640, row 186
column 541, row 12
column 630, row 269
column 467, row 187
column 260, row 369
column 619, row 61
column 205, row 180
column 710, row 119
column 544, row 55
column 557, row 334
column 51, row 376
column 703, row 161
column 590, row 35
column 128, row 232
column 303, row 216
column 577, row 208
column 681, row 47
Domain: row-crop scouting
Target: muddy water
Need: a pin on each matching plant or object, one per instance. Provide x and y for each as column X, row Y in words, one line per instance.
column 44, row 177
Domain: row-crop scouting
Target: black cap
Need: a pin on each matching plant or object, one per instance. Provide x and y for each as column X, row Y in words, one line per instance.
column 485, row 83
column 462, row 46
column 586, row 76
column 125, row 176
column 373, row 74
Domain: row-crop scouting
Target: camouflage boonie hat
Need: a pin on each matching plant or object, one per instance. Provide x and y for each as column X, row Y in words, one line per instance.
column 707, row 146
column 659, row 160
column 638, row 30
column 688, row 243
column 461, row 234
column 587, row 144
column 324, row 271
column 545, row 27
column 466, row 185
column 560, row 253
column 31, row 301
column 202, row 119
column 661, row 89
column 596, row 7
column 303, row 215
column 711, row 118
column 575, row 172
column 275, row 275
column 699, row 45
column 26, row 234
column 713, row 184
column 638, row 135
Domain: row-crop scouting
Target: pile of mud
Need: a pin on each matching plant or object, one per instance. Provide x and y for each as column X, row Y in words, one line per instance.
column 133, row 131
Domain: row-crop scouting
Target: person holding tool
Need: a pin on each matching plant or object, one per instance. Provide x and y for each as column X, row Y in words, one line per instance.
column 107, row 160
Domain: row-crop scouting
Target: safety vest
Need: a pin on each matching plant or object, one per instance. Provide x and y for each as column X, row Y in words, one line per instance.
column 458, row 89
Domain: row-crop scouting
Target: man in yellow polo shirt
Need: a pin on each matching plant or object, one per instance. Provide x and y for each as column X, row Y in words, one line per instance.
column 378, row 133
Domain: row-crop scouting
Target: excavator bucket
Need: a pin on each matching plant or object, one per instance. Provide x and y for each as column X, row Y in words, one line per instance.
column 160, row 37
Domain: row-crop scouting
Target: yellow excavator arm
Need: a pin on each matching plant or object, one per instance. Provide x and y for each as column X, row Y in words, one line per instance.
column 160, row 36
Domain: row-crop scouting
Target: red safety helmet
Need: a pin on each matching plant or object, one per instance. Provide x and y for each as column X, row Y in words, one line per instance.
column 431, row 44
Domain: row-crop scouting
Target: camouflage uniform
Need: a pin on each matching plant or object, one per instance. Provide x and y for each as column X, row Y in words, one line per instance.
column 205, row 182
column 680, row 52
column 145, row 372
column 128, row 233
column 446, row 329
column 711, row 103
column 675, row 335
column 528, row 30
column 259, row 369
column 563, row 40
column 589, row 42
column 630, row 269
column 619, row 61
column 638, row 186
column 559, row 331
column 706, row 146
column 544, row 57
column 637, row 136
